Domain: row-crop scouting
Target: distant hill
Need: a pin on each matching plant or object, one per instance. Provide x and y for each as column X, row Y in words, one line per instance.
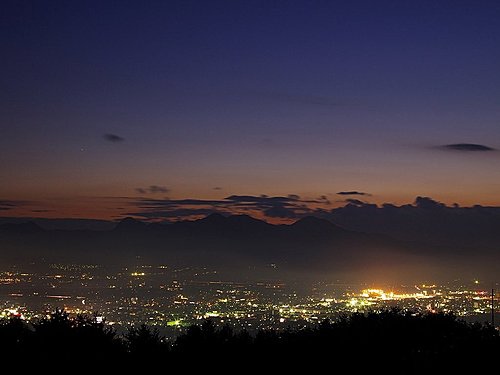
column 242, row 243
column 26, row 228
column 63, row 223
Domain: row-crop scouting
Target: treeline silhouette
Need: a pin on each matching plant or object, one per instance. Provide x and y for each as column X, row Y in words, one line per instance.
column 392, row 341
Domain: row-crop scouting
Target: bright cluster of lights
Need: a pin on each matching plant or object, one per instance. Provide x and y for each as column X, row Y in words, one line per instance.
column 136, row 274
column 14, row 312
column 380, row 294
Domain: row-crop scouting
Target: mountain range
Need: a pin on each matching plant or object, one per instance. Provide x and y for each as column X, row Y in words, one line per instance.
column 241, row 243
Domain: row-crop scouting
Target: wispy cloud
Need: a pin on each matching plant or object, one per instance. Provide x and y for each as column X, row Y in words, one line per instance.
column 152, row 189
column 285, row 207
column 353, row 192
column 6, row 205
column 466, row 147
column 113, row 138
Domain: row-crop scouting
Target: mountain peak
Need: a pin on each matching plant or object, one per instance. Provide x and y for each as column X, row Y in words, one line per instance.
column 130, row 224
column 316, row 224
column 245, row 219
column 214, row 218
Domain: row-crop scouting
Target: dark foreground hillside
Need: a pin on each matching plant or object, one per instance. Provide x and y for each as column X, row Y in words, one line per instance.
column 389, row 342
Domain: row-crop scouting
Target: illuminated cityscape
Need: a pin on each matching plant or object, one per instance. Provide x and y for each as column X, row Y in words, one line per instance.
column 173, row 298
column 237, row 186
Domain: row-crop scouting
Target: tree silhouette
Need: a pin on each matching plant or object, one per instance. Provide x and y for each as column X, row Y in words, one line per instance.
column 145, row 343
column 395, row 341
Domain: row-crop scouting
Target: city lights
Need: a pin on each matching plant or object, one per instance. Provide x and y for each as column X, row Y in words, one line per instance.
column 171, row 298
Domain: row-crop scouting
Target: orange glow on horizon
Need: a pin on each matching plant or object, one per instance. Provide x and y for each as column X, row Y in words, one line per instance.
column 114, row 208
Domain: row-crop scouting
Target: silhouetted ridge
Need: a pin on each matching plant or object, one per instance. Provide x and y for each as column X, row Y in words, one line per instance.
column 313, row 224
column 245, row 219
column 21, row 228
column 230, row 226
column 212, row 219
column 248, row 223
column 232, row 243
column 129, row 224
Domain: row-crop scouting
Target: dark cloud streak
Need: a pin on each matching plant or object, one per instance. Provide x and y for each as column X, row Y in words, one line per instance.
column 286, row 207
column 6, row 205
column 353, row 192
column 113, row 138
column 466, row 147
column 153, row 189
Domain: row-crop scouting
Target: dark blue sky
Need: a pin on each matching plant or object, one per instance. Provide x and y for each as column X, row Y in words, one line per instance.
column 252, row 97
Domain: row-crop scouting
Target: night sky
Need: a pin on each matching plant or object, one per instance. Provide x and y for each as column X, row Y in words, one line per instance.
column 110, row 108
